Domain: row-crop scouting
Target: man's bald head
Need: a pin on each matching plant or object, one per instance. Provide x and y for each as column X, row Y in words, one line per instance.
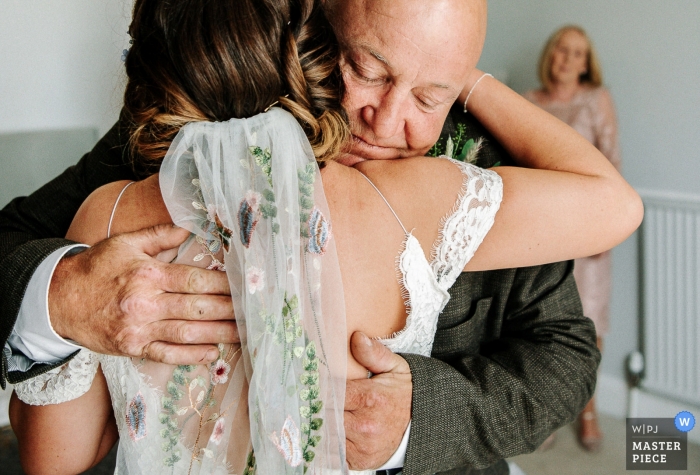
column 404, row 63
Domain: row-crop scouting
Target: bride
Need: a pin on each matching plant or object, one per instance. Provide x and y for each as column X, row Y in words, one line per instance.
column 232, row 107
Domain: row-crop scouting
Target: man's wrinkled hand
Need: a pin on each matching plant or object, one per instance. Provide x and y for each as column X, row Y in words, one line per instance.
column 377, row 410
column 115, row 298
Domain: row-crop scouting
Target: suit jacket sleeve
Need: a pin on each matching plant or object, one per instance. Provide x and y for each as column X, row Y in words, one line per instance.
column 32, row 227
column 514, row 359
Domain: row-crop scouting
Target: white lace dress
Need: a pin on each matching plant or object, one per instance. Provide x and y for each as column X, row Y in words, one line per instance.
column 156, row 442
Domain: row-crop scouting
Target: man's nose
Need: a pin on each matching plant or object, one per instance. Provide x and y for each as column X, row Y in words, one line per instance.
column 387, row 117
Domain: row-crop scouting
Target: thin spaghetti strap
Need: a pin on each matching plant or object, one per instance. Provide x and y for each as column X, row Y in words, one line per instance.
column 114, row 209
column 385, row 201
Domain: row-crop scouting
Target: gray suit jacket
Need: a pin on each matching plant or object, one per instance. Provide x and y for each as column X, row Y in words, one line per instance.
column 514, row 358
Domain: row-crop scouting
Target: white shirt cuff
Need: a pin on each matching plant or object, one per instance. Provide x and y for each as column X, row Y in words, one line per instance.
column 33, row 339
column 397, row 460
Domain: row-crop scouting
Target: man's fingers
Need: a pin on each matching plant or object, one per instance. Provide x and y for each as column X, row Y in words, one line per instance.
column 156, row 239
column 180, row 354
column 192, row 307
column 193, row 333
column 374, row 356
column 186, row 279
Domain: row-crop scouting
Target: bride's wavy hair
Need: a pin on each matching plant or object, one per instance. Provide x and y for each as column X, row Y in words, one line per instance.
column 204, row 60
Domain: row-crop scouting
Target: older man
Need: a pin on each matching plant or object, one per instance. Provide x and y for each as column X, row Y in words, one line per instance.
column 514, row 358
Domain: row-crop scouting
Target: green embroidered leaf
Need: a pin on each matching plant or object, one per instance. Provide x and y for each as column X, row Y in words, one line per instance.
column 268, row 210
column 174, row 391
column 305, row 202
column 268, row 194
column 172, row 425
column 305, row 412
column 309, row 456
column 179, row 377
column 293, row 302
column 164, row 433
column 305, row 428
column 163, row 418
column 313, row 441
column 310, row 365
column 298, row 351
column 309, row 379
column 311, row 350
column 306, row 189
column 275, row 228
column 315, row 391
column 316, row 407
column 167, row 403
column 316, row 423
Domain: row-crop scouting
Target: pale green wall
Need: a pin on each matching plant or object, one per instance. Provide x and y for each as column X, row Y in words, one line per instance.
column 650, row 53
column 60, row 63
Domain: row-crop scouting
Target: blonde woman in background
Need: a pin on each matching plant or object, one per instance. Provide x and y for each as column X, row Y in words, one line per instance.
column 572, row 90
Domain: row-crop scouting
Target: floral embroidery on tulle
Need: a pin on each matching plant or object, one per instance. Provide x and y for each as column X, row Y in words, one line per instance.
column 220, row 234
column 218, row 433
column 189, row 397
column 319, row 232
column 219, row 372
column 247, row 220
column 307, row 177
column 255, row 279
column 136, row 418
column 264, row 160
column 289, row 442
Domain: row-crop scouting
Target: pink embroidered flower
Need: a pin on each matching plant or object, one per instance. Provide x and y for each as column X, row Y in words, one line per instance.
column 219, row 372
column 218, row 432
column 253, row 198
column 216, row 265
column 255, row 278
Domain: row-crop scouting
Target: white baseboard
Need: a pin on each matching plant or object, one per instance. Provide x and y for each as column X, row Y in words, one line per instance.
column 612, row 398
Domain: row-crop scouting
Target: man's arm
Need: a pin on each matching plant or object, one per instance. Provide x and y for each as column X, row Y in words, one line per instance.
column 32, row 228
column 518, row 364
column 113, row 298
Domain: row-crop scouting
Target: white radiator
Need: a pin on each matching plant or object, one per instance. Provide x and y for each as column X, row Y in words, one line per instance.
column 671, row 296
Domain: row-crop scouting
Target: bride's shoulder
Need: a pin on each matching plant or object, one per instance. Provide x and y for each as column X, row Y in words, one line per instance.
column 413, row 174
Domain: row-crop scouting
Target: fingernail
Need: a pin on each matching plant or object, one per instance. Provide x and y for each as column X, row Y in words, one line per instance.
column 212, row 355
column 366, row 340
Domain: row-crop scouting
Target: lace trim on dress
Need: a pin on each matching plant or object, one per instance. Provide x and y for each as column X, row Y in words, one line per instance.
column 61, row 384
column 461, row 233
column 463, row 229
